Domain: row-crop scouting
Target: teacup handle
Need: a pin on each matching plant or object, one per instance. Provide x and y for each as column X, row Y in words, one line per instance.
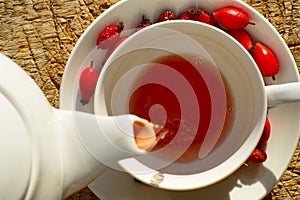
column 282, row 93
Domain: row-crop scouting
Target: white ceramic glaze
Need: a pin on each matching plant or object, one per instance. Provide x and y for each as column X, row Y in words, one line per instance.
column 252, row 182
column 237, row 68
column 235, row 65
column 49, row 153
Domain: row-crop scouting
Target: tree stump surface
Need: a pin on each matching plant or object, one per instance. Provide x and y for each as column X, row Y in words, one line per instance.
column 39, row 36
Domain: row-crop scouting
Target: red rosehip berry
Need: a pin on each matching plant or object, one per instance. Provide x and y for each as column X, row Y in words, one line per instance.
column 266, row 132
column 188, row 15
column 232, row 18
column 258, row 156
column 242, row 37
column 202, row 16
column 87, row 83
column 109, row 35
column 166, row 15
column 265, row 59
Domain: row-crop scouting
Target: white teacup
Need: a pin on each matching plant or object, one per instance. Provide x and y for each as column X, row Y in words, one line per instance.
column 236, row 75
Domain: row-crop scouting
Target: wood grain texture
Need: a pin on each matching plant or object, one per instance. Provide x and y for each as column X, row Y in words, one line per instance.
column 39, row 36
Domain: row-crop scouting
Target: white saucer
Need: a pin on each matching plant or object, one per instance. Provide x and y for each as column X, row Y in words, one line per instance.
column 252, row 182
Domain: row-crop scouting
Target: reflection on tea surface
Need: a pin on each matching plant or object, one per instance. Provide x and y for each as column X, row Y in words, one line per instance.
column 172, row 92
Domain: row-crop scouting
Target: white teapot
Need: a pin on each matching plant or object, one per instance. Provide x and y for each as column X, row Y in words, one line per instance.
column 47, row 153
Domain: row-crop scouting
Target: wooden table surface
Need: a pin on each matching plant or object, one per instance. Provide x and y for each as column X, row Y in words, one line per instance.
column 39, row 36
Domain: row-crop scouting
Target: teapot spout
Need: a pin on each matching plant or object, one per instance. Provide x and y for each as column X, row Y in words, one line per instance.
column 89, row 144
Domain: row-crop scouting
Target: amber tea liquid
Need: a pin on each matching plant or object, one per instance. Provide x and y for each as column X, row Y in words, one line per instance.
column 172, row 93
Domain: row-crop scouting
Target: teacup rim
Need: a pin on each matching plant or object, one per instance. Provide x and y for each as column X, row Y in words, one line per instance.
column 226, row 165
